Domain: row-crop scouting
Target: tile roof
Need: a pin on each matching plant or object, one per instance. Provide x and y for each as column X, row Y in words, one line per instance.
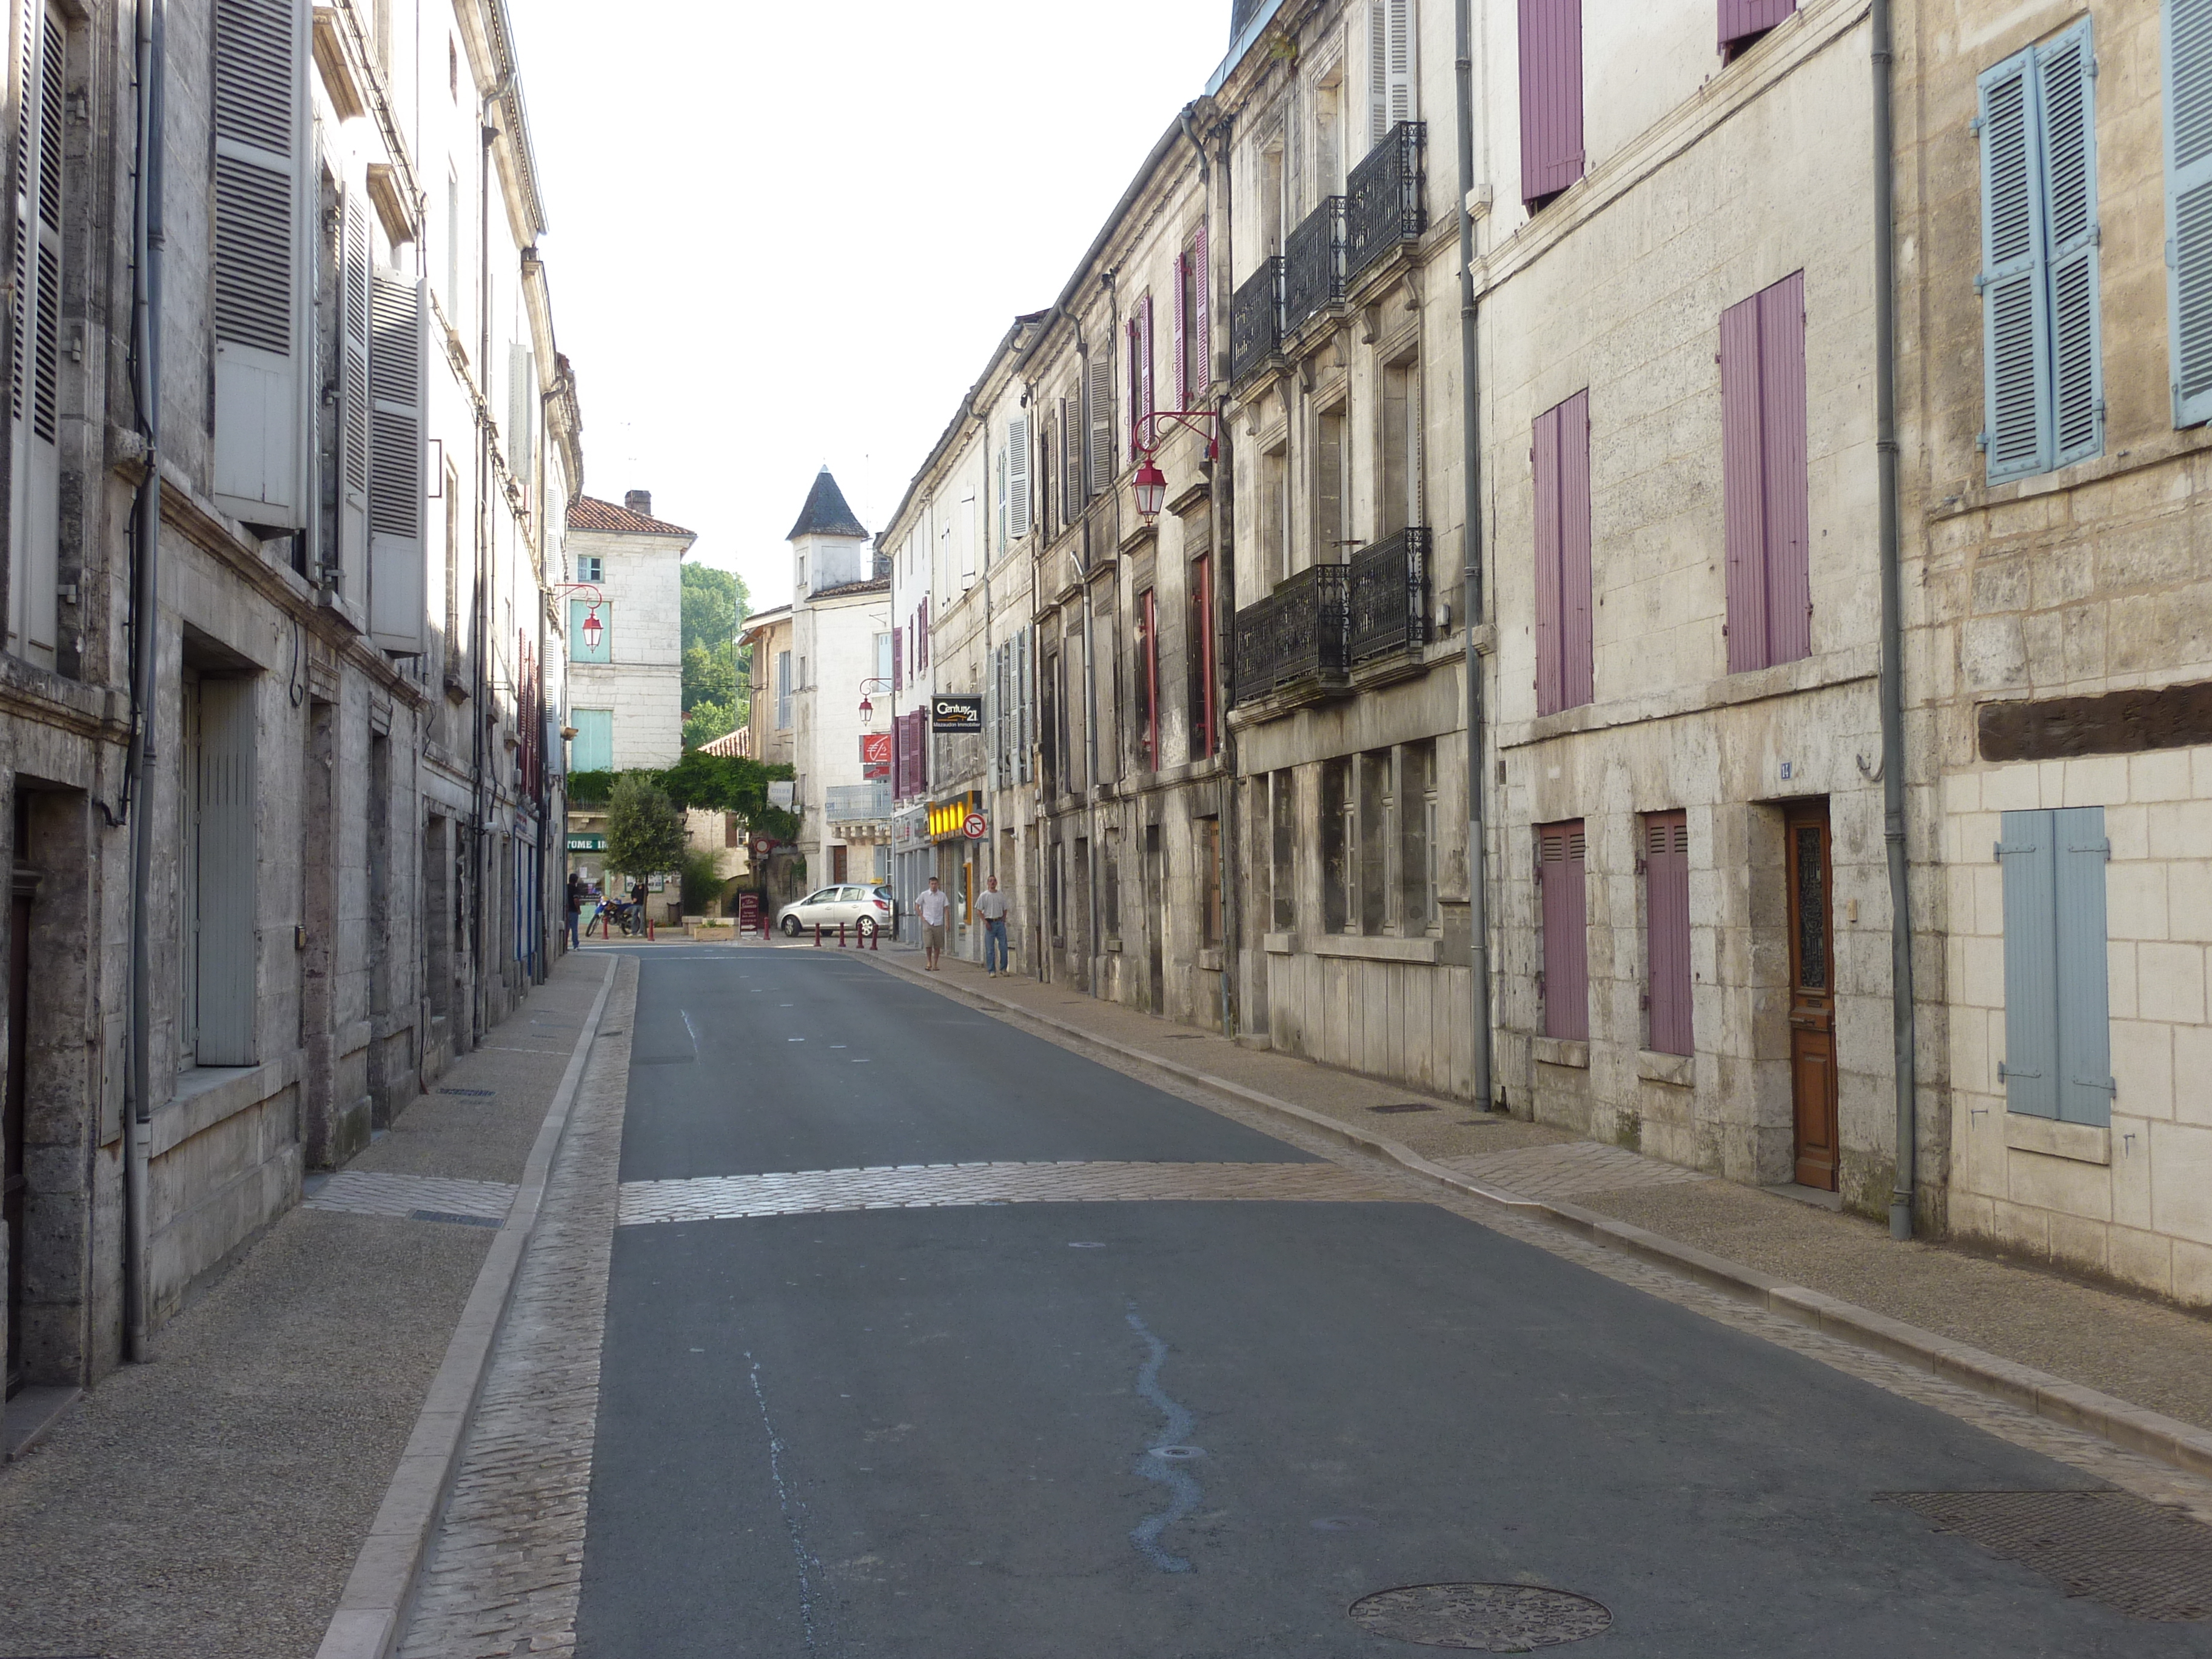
column 880, row 584
column 591, row 513
column 825, row 513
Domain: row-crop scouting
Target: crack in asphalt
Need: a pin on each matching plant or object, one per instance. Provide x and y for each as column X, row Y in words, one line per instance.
column 1157, row 1463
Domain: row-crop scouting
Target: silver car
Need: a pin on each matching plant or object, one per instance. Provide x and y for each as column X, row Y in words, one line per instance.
column 827, row 906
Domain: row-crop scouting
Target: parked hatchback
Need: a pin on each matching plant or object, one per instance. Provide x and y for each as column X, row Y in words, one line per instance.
column 829, row 906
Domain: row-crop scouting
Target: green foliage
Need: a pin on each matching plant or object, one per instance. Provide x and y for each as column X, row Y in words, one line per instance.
column 715, row 606
column 590, row 788
column 710, row 675
column 730, row 783
column 645, row 827
column 708, row 721
column 702, row 882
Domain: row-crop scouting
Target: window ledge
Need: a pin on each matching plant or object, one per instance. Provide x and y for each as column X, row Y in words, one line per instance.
column 1679, row 1070
column 1562, row 1051
column 1280, row 944
column 1377, row 948
column 1210, row 961
column 206, row 1095
column 2084, row 1143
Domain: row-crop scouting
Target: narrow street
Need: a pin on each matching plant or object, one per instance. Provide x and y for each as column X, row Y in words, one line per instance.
column 924, row 1335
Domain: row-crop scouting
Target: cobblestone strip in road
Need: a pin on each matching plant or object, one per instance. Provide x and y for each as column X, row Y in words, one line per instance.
column 933, row 1185
column 1574, row 1166
column 370, row 1191
column 503, row 1575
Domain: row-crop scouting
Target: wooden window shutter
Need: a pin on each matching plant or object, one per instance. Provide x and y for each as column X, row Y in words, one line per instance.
column 898, row 659
column 1564, row 645
column 1739, row 20
column 35, row 372
column 922, row 636
column 350, row 574
column 1018, row 477
column 399, row 372
column 228, row 958
column 1181, row 332
column 1389, row 66
column 1765, row 497
column 1026, row 698
column 2188, row 59
column 260, row 379
column 1551, row 97
column 1133, row 336
column 1667, row 932
column 1201, row 355
column 1545, row 464
column 1100, row 376
column 2079, row 853
column 2067, row 98
column 1563, row 891
column 2015, row 323
column 1145, row 360
column 2027, row 855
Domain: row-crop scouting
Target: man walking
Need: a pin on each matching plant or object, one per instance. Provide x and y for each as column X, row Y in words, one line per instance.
column 992, row 908
column 932, row 907
column 575, row 905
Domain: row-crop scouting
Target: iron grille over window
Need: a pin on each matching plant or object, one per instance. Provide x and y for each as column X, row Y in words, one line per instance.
column 1390, row 594
column 1313, row 264
column 1385, row 197
column 1298, row 632
column 1255, row 319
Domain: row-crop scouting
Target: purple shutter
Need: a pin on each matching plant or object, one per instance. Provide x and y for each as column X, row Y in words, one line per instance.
column 898, row 750
column 1740, row 19
column 1551, row 96
column 1667, row 930
column 1561, row 873
column 1577, row 670
column 898, row 659
column 1145, row 360
column 1782, row 428
column 1547, row 469
column 1181, row 332
column 1743, row 489
column 1201, row 321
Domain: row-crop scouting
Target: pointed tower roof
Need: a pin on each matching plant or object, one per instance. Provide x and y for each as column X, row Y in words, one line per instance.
column 825, row 513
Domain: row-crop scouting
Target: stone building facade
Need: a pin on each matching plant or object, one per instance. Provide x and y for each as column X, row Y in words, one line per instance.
column 840, row 649
column 350, row 784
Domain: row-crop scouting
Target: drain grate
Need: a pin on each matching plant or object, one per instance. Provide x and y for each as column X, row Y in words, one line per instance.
column 2137, row 1558
column 1481, row 1618
column 484, row 1094
column 1405, row 1106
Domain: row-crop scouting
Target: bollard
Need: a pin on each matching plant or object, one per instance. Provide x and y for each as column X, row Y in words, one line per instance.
column 841, row 935
column 817, row 935
column 875, row 936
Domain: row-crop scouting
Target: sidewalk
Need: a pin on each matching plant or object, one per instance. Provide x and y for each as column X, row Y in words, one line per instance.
column 1931, row 1304
column 211, row 1504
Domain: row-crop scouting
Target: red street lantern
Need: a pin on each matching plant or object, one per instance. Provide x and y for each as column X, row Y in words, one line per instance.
column 867, row 710
column 592, row 628
column 1151, row 489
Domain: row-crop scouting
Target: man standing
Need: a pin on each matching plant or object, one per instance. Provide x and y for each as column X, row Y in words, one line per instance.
column 575, row 905
column 932, row 907
column 992, row 908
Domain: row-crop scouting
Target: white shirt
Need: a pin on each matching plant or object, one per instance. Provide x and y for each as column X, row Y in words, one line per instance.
column 932, row 906
column 991, row 906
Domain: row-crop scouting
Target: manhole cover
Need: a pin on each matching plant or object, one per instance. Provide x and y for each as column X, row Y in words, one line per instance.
column 1405, row 1106
column 2137, row 1558
column 1481, row 1617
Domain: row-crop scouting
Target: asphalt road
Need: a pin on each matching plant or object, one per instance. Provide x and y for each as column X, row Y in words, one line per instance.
column 939, row 1430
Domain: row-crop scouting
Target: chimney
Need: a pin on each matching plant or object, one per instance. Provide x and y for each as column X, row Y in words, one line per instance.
column 640, row 501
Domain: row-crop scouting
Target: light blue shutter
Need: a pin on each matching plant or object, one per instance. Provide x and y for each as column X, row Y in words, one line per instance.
column 2015, row 344
column 2085, row 1032
column 2066, row 74
column 2031, row 964
column 2189, row 204
column 579, row 650
column 593, row 748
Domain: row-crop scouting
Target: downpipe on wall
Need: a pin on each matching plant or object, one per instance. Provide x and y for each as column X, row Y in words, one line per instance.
column 1471, row 596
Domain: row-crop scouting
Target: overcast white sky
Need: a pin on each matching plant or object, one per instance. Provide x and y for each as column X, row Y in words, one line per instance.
column 784, row 235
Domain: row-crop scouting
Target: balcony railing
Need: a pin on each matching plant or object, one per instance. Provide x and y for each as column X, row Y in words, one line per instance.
column 1255, row 319
column 1297, row 634
column 1385, row 196
column 1390, row 594
column 847, row 803
column 1312, row 265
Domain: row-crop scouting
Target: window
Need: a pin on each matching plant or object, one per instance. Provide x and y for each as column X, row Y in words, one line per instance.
column 1071, row 455
column 217, row 917
column 1565, row 670
column 1333, row 536
column 1562, row 889
column 730, row 834
column 2058, row 1053
column 1273, row 512
column 802, row 573
column 1743, row 21
column 883, row 655
column 2041, row 368
column 1390, row 41
column 1282, row 849
column 1148, row 680
column 1198, row 650
column 1667, row 933
column 1139, row 331
column 1209, row 883
column 1194, row 329
column 1399, row 486
column 34, row 619
column 1271, row 198
column 590, row 630
column 397, row 424
column 1417, row 833
column 1340, row 843
column 1100, row 379
column 1377, row 821
column 1763, row 476
column 593, row 748
column 590, row 567
column 783, row 690
column 2188, row 59
column 1550, row 98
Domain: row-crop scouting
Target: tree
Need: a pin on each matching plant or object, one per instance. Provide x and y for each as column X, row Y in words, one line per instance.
column 704, row 722
column 731, row 783
column 715, row 606
column 645, row 829
column 710, row 676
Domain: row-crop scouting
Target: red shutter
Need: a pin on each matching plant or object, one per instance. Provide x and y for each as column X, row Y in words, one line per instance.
column 923, row 740
column 1740, row 19
column 1781, row 427
column 1137, row 434
column 1202, row 323
column 1551, row 96
column 1182, row 331
column 1743, row 491
column 922, row 636
column 1144, row 357
column 1561, row 876
column 1577, row 647
column 898, row 753
column 1546, row 460
column 1667, row 930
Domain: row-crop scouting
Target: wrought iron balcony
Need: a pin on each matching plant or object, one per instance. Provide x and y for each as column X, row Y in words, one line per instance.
column 1312, row 265
column 1255, row 319
column 1296, row 635
column 1390, row 594
column 1385, row 197
column 848, row 802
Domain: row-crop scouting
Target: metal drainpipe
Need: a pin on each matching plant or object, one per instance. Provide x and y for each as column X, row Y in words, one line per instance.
column 145, row 641
column 480, row 790
column 1478, row 906
column 1902, row 1020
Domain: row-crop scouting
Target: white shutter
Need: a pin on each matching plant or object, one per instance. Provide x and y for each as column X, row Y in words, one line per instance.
column 1017, row 476
column 2015, row 344
column 34, row 538
column 226, row 906
column 398, row 361
column 2188, row 58
column 1024, row 700
column 521, row 411
column 2066, row 84
column 1102, row 416
column 1390, row 53
column 260, row 381
column 351, row 575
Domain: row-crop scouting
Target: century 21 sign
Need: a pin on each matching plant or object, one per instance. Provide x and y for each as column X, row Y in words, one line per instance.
column 956, row 713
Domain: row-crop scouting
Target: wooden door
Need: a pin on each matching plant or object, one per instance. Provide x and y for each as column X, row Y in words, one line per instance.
column 1812, row 996
column 837, row 863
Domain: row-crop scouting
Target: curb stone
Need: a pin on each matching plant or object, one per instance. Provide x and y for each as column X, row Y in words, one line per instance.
column 372, row 1613
column 2171, row 1441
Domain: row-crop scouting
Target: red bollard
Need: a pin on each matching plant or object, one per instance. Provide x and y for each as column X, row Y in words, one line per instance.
column 817, row 935
column 841, row 935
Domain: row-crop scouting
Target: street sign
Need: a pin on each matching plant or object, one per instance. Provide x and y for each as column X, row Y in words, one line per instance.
column 973, row 826
column 780, row 791
column 580, row 842
column 875, row 756
column 956, row 713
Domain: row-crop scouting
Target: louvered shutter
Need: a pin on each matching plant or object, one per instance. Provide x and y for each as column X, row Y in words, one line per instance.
column 1782, row 471
column 1025, row 696
column 1389, row 66
column 1017, row 476
column 1743, row 492
column 2067, row 88
column 1667, row 930
column 1546, row 468
column 2188, row 27
column 1564, row 894
column 2031, row 963
column 1576, row 643
column 34, row 534
column 1134, row 338
column 898, row 659
column 1144, row 363
column 1741, row 19
column 2015, row 344
column 921, row 636
column 398, row 371
column 350, row 575
column 228, row 914
column 1201, row 356
column 1551, row 96
column 1101, row 379
column 1182, row 332
column 2079, row 853
column 1071, row 456
column 260, row 381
